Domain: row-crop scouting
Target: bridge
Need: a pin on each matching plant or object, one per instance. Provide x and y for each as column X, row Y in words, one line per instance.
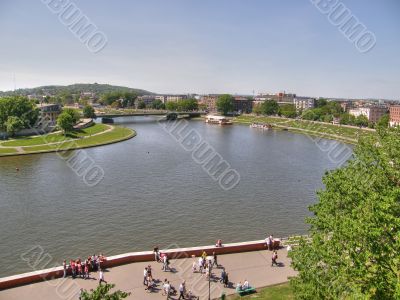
column 168, row 114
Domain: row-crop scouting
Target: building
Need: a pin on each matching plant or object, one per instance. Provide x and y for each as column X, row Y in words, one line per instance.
column 394, row 115
column 242, row 104
column 373, row 113
column 147, row 99
column 175, row 98
column 303, row 103
column 281, row 98
column 209, row 101
column 48, row 114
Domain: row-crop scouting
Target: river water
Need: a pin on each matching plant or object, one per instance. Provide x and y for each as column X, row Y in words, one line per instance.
column 154, row 193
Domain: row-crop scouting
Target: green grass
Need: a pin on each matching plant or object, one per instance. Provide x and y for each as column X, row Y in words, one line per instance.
column 277, row 292
column 117, row 134
column 54, row 137
column 312, row 128
column 7, row 150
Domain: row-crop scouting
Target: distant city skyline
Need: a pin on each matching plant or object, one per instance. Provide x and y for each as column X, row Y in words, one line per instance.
column 204, row 47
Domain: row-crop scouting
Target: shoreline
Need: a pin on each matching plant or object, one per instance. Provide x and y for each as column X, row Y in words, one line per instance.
column 36, row 276
column 132, row 134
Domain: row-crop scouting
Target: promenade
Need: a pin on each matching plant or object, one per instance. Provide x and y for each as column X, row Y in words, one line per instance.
column 254, row 266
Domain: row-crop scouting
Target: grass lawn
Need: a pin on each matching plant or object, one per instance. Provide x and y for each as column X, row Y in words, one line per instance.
column 277, row 292
column 7, row 150
column 117, row 134
column 54, row 137
column 300, row 125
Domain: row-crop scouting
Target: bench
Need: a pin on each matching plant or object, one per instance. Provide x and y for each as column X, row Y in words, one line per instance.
column 248, row 291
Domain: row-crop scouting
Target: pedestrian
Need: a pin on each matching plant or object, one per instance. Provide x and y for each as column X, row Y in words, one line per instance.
column 65, row 268
column 215, row 262
column 226, row 280
column 271, row 242
column 156, row 254
column 165, row 263
column 72, row 264
column 274, row 258
column 182, row 290
column 223, row 274
column 145, row 276
column 87, row 270
column 101, row 277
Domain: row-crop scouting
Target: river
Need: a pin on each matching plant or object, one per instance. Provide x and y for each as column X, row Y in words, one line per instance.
column 154, row 193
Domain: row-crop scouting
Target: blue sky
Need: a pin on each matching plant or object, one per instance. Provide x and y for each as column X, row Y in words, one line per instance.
column 207, row 46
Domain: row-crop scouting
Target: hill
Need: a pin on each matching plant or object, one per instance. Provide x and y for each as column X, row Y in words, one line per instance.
column 77, row 88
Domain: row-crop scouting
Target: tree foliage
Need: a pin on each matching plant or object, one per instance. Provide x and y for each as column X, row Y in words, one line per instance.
column 355, row 232
column 288, row 111
column 17, row 107
column 123, row 98
column 73, row 113
column 225, row 104
column 269, row 107
column 157, row 104
column 88, row 112
column 103, row 292
column 13, row 125
column 65, row 122
column 182, row 105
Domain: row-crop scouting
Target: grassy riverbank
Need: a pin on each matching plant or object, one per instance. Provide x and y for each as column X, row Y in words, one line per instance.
column 276, row 292
column 96, row 135
column 342, row 133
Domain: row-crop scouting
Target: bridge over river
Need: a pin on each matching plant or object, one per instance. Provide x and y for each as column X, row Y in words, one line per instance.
column 168, row 114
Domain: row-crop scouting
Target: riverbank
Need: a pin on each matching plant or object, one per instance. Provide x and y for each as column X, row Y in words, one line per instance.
column 255, row 266
column 94, row 136
column 346, row 134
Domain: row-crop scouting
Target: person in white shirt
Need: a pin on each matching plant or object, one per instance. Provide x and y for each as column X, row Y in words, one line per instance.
column 101, row 277
column 145, row 276
column 246, row 284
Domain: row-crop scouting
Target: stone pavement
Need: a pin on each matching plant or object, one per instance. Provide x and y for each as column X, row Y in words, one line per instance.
column 253, row 266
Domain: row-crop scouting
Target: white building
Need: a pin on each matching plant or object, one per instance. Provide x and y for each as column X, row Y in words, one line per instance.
column 373, row 113
column 303, row 103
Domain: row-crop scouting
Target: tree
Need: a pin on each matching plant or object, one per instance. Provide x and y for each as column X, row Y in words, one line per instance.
column 288, row 111
column 157, row 104
column 225, row 104
column 13, row 125
column 354, row 246
column 321, row 102
column 73, row 113
column 361, row 121
column 172, row 106
column 102, row 292
column 65, row 122
column 384, row 121
column 18, row 106
column 88, row 112
column 270, row 107
column 141, row 104
column 257, row 109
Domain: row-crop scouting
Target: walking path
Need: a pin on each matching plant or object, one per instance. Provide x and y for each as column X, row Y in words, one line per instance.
column 253, row 266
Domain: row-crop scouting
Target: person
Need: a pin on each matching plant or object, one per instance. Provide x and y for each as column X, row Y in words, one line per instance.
column 239, row 287
column 72, row 264
column 246, row 285
column 166, row 288
column 274, row 258
column 145, row 276
column 165, row 263
column 194, row 267
column 182, row 290
column 101, row 277
column 79, row 265
column 149, row 284
column 80, row 294
column 65, row 268
column 201, row 265
column 218, row 243
column 268, row 243
column 87, row 270
column 149, row 273
column 156, row 254
column 204, row 255
column 226, row 280
column 215, row 262
column 223, row 274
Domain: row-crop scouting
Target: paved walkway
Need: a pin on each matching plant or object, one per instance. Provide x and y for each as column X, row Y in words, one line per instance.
column 253, row 266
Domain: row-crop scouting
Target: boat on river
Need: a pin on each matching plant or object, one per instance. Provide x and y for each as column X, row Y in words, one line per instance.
column 261, row 126
column 219, row 120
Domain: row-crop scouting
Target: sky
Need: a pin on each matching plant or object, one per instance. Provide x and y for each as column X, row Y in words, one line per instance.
column 207, row 46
